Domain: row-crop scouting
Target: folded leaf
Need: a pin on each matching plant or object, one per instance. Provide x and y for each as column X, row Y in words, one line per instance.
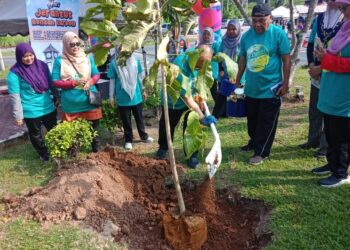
column 231, row 66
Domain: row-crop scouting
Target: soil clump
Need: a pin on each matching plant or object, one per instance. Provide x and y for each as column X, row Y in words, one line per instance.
column 125, row 196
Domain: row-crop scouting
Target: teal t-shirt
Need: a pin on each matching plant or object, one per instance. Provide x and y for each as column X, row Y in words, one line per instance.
column 181, row 61
column 33, row 104
column 74, row 100
column 334, row 96
column 215, row 65
column 263, row 60
column 122, row 98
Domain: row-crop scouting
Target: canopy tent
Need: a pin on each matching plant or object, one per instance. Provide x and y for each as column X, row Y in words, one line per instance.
column 13, row 18
column 282, row 12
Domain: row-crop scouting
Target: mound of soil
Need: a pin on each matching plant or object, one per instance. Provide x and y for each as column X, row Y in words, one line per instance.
column 126, row 196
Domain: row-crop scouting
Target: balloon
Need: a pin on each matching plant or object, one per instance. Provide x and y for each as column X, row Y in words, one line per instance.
column 197, row 7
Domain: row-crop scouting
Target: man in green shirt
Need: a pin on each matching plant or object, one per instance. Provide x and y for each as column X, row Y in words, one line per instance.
column 265, row 57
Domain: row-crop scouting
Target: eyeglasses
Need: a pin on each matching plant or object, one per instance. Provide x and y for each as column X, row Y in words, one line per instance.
column 343, row 8
column 72, row 45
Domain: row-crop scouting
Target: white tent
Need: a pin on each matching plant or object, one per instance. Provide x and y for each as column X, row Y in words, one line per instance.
column 282, row 12
column 13, row 18
column 303, row 9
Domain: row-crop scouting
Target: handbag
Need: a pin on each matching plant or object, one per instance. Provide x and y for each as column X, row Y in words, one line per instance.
column 94, row 98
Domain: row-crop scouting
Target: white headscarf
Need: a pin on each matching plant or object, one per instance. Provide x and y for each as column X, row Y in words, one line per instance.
column 331, row 18
column 128, row 74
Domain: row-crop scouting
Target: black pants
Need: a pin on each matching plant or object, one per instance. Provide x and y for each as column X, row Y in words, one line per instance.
column 316, row 135
column 262, row 116
column 34, row 130
column 219, row 109
column 125, row 114
column 337, row 131
column 174, row 118
column 214, row 90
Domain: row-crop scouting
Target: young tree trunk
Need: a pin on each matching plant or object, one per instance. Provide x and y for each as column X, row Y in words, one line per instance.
column 242, row 11
column 298, row 43
column 168, row 133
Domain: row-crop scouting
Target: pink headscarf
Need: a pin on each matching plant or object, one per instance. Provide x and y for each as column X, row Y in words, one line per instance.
column 342, row 38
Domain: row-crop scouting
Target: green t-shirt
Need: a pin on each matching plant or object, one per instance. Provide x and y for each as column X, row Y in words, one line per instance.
column 122, row 98
column 263, row 60
column 334, row 96
column 182, row 61
column 74, row 100
column 33, row 104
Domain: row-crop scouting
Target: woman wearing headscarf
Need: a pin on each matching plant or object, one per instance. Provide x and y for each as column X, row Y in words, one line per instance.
column 208, row 38
column 324, row 28
column 74, row 73
column 229, row 46
column 334, row 102
column 126, row 89
column 29, row 83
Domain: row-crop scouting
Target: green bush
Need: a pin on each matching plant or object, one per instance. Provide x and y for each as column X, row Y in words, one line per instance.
column 68, row 138
column 12, row 41
column 153, row 100
column 110, row 117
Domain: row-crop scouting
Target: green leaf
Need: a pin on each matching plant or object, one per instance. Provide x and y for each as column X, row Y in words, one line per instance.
column 131, row 37
column 173, row 91
column 204, row 80
column 101, row 55
column 231, row 66
column 152, row 78
column 103, row 28
column 189, row 21
column 162, row 50
column 193, row 57
column 194, row 136
column 172, row 72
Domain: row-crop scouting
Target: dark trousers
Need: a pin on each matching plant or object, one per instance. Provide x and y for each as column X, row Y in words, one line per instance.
column 214, row 90
column 174, row 118
column 219, row 109
column 34, row 130
column 125, row 114
column 316, row 135
column 337, row 131
column 262, row 116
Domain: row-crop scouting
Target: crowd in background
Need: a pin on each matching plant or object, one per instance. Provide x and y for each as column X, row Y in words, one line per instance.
column 263, row 57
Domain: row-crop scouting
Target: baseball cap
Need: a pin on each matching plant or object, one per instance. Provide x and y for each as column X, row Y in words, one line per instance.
column 261, row 10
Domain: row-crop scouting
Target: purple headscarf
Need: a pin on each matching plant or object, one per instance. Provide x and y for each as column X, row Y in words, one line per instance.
column 36, row 74
column 342, row 38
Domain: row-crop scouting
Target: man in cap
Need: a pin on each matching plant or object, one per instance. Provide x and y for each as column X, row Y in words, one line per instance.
column 265, row 57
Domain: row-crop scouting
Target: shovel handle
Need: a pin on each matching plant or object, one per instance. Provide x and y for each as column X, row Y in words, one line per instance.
column 212, row 125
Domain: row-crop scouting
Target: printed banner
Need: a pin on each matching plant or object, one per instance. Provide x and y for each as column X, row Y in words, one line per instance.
column 48, row 20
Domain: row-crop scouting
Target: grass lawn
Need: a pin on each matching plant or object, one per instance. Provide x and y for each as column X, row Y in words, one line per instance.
column 304, row 216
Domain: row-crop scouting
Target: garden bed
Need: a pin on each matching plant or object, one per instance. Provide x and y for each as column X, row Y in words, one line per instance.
column 125, row 196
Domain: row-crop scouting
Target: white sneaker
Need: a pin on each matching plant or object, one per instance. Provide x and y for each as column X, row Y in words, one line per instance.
column 149, row 139
column 128, row 146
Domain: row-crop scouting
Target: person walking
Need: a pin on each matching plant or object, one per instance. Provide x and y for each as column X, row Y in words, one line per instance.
column 75, row 73
column 29, row 83
column 126, row 89
column 324, row 28
column 229, row 46
column 334, row 102
column 265, row 58
column 184, row 103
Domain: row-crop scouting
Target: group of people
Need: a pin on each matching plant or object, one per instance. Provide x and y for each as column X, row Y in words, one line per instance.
column 263, row 57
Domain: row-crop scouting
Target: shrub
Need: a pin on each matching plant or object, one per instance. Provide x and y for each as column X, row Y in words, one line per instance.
column 110, row 117
column 153, row 100
column 67, row 138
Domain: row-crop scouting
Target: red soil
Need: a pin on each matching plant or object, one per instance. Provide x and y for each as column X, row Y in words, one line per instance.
column 126, row 196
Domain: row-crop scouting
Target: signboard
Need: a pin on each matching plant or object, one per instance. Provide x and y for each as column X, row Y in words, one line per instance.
column 48, row 20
